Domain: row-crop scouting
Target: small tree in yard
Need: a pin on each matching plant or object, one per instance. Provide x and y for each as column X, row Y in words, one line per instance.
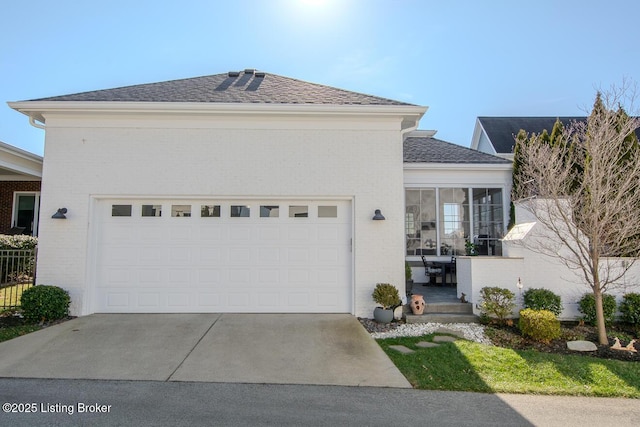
column 583, row 188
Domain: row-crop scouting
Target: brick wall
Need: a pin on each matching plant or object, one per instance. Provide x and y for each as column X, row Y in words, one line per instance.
column 7, row 188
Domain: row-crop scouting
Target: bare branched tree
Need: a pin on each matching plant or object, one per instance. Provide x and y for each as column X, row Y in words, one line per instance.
column 584, row 188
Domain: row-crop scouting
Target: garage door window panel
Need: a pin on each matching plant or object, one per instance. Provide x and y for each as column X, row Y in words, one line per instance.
column 327, row 211
column 210, row 211
column 269, row 211
column 178, row 211
column 240, row 211
column 120, row 210
column 152, row 210
column 298, row 211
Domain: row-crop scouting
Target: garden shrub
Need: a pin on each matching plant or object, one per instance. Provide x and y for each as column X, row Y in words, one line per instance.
column 542, row 299
column 17, row 241
column 386, row 295
column 587, row 306
column 630, row 308
column 44, row 303
column 17, row 267
column 497, row 302
column 541, row 325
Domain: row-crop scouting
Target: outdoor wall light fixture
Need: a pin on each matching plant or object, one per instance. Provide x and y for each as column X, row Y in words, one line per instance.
column 519, row 284
column 60, row 214
column 378, row 216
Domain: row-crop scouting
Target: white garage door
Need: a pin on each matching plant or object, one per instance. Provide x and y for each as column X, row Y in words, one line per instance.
column 223, row 256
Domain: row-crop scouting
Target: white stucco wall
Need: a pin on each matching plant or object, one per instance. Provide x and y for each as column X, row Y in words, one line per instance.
column 544, row 271
column 477, row 272
column 535, row 270
column 173, row 155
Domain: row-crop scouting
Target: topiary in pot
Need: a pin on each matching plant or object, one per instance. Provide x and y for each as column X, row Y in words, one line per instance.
column 44, row 303
column 388, row 297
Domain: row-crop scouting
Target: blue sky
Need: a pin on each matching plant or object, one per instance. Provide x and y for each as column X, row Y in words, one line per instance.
column 463, row 59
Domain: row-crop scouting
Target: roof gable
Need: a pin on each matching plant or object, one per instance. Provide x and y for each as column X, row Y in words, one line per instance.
column 248, row 86
column 501, row 131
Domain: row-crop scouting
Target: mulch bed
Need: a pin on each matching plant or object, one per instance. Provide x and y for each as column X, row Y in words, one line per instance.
column 510, row 337
column 8, row 319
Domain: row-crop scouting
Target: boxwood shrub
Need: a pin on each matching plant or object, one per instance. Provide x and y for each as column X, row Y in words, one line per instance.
column 542, row 299
column 630, row 308
column 541, row 325
column 497, row 302
column 44, row 303
column 587, row 306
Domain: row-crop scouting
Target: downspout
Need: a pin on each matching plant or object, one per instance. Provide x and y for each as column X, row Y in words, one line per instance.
column 408, row 127
column 33, row 123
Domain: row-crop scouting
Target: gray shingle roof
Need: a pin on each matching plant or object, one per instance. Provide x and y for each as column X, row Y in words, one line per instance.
column 432, row 150
column 247, row 86
column 502, row 130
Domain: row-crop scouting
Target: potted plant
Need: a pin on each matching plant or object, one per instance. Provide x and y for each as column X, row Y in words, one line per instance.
column 389, row 298
column 408, row 280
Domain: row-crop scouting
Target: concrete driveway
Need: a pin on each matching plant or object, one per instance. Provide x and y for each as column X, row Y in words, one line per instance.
column 323, row 349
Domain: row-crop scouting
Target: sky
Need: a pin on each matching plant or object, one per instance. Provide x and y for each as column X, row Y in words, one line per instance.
column 461, row 58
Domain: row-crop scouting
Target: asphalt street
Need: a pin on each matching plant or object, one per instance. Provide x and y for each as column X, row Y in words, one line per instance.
column 54, row 402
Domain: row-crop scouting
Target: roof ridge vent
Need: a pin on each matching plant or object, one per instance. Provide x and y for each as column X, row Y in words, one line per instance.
column 234, row 73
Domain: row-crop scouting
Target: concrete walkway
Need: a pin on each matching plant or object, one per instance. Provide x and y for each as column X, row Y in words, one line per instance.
column 322, row 349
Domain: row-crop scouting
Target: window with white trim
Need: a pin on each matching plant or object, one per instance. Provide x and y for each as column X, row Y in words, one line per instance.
column 440, row 221
column 26, row 205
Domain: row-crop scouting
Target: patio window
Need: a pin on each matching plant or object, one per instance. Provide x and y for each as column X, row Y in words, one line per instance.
column 488, row 220
column 454, row 220
column 420, row 222
column 439, row 221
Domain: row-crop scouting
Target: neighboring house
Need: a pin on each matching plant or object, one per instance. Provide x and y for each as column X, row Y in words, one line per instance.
column 496, row 135
column 236, row 192
column 20, row 175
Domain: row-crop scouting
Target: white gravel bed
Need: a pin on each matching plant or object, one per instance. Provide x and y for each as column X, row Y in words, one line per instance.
column 471, row 331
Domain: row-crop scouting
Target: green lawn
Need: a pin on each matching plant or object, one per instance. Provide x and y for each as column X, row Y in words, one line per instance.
column 469, row 366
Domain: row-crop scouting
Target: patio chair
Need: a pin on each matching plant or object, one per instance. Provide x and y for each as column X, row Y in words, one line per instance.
column 431, row 271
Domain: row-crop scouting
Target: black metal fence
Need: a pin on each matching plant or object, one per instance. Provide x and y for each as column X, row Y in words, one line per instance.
column 17, row 273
